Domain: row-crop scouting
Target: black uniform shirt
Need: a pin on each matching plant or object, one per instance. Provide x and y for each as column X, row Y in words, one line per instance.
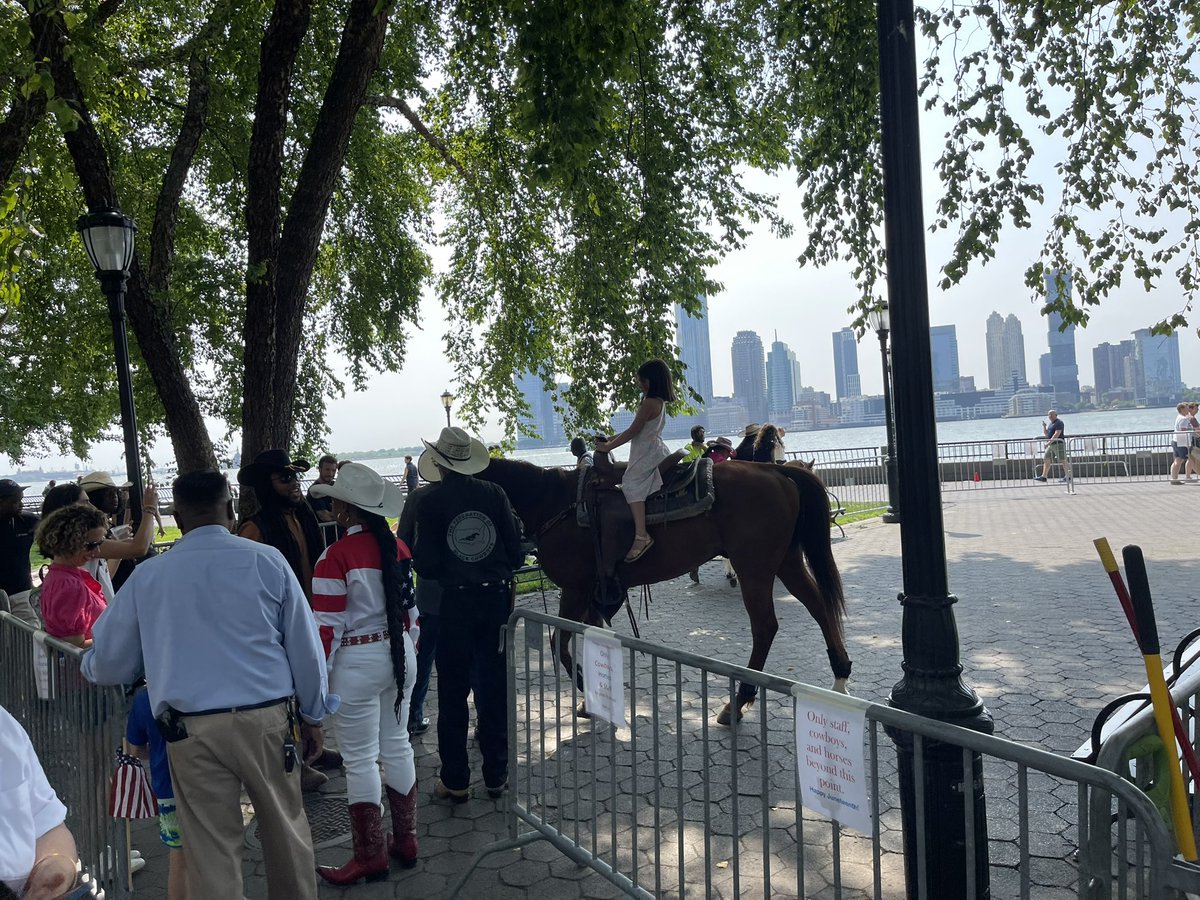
column 16, row 539
column 466, row 533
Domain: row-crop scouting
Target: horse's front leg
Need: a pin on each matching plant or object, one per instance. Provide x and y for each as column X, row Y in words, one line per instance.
column 759, row 600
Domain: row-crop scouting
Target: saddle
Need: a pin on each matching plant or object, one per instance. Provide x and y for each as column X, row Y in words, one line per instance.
column 687, row 491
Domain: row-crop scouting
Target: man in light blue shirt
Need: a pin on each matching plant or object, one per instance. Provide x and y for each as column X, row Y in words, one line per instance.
column 224, row 634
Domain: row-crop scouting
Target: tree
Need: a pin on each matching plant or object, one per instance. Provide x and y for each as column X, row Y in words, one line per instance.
column 584, row 163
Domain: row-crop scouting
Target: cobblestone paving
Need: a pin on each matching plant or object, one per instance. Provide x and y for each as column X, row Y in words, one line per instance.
column 1044, row 643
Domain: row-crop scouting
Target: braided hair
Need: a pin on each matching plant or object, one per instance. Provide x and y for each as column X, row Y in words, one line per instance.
column 398, row 596
column 275, row 530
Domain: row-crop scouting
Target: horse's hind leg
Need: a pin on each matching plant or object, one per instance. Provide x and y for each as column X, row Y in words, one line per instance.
column 799, row 582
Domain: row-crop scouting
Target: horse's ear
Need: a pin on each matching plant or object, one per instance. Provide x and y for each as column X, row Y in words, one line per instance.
column 811, row 464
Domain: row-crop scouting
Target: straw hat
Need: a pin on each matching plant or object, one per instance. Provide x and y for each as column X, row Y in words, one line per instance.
column 454, row 450
column 363, row 487
column 751, row 430
column 94, row 481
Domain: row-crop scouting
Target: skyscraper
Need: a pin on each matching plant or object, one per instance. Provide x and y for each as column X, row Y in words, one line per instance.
column 1005, row 350
column 541, row 415
column 691, row 334
column 750, row 375
column 1157, row 367
column 845, row 364
column 1110, row 363
column 783, row 380
column 943, row 347
column 1064, row 373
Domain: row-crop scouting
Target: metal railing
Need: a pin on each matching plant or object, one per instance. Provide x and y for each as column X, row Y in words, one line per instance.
column 674, row 806
column 75, row 727
column 1128, row 744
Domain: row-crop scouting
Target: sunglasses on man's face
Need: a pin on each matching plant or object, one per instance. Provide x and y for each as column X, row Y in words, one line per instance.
column 285, row 477
column 89, row 546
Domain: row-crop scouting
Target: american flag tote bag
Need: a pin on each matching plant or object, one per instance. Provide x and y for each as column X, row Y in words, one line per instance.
column 131, row 796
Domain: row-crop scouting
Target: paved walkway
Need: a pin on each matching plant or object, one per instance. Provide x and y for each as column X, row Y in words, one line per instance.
column 1044, row 642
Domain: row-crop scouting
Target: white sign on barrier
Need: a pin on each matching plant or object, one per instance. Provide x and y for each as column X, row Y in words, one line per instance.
column 41, row 668
column 829, row 755
column 604, row 676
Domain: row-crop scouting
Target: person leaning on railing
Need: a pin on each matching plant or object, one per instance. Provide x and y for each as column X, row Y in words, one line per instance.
column 37, row 850
column 72, row 599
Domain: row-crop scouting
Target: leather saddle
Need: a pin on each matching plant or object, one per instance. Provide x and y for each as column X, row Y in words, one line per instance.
column 687, row 491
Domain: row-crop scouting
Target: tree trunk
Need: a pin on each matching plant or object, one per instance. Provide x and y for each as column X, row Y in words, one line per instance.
column 151, row 327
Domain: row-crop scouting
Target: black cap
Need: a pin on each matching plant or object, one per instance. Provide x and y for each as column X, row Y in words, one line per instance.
column 9, row 488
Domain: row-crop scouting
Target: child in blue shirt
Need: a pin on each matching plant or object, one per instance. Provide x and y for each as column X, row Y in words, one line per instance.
column 144, row 739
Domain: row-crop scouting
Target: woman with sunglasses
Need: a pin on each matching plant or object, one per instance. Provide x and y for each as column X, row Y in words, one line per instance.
column 72, row 599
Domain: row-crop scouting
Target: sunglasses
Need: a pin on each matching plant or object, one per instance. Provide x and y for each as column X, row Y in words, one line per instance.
column 285, row 477
column 92, row 545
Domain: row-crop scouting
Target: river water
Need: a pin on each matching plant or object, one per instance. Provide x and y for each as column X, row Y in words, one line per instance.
column 1101, row 422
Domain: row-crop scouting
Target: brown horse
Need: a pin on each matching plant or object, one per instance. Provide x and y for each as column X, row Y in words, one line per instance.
column 768, row 520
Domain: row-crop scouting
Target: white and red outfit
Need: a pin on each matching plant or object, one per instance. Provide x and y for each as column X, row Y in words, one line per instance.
column 348, row 602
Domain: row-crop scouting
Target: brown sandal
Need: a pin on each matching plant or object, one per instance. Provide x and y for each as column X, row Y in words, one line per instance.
column 639, row 548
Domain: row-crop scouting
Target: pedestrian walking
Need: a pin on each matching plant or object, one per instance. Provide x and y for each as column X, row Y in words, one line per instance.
column 231, row 655
column 1056, row 447
column 1182, row 443
column 468, row 540
column 363, row 603
column 412, row 477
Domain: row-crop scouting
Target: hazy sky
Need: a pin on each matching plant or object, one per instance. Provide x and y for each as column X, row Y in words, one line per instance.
column 766, row 291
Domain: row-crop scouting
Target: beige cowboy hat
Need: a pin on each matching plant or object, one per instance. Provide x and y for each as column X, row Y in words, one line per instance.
column 454, row 450
column 750, row 430
column 363, row 487
column 94, row 481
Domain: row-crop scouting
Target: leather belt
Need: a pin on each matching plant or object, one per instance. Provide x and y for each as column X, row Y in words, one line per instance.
column 234, row 709
column 355, row 640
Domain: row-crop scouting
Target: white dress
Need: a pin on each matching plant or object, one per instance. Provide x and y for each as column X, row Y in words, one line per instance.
column 646, row 451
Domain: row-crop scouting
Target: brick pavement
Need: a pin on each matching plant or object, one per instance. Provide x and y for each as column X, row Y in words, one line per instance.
column 1044, row 642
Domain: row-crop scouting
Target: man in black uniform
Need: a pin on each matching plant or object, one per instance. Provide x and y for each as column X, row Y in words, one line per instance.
column 467, row 539
column 16, row 537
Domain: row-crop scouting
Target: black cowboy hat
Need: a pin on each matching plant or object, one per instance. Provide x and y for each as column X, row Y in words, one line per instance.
column 267, row 464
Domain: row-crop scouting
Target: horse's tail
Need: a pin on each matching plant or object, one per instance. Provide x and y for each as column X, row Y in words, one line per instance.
column 811, row 533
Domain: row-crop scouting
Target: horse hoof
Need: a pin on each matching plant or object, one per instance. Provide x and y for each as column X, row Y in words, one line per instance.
column 695, row 576
column 726, row 714
column 839, row 685
column 732, row 580
column 581, row 710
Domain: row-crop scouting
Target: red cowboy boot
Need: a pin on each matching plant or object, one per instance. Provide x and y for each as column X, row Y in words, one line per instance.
column 403, row 843
column 370, row 859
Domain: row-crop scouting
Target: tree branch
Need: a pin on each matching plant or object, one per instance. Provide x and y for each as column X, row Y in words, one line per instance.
column 166, row 210
column 422, row 129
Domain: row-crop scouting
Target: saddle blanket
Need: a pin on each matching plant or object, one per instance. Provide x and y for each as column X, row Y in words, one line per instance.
column 687, row 492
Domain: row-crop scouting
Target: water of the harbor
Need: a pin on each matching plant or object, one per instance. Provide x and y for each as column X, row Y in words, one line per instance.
column 1101, row 422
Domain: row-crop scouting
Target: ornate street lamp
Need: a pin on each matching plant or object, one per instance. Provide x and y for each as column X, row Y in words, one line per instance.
column 447, row 402
column 108, row 238
column 881, row 325
column 932, row 684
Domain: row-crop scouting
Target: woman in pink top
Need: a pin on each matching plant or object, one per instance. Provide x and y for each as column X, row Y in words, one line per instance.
column 364, row 606
column 72, row 599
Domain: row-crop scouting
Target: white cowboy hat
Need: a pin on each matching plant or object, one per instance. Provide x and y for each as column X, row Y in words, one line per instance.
column 454, row 450
column 93, row 481
column 363, row 487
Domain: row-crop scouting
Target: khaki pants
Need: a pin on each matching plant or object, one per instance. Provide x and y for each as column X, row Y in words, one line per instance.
column 208, row 767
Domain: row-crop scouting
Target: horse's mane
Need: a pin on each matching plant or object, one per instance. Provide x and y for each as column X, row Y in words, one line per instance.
column 536, row 493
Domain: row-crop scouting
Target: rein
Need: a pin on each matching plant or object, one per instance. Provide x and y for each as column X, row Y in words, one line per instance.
column 553, row 520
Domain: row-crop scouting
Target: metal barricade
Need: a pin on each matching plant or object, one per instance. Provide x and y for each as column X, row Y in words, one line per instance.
column 674, row 805
column 1129, row 746
column 856, row 475
column 75, row 728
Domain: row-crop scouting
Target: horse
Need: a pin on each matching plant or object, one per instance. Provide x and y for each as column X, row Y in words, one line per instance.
column 768, row 520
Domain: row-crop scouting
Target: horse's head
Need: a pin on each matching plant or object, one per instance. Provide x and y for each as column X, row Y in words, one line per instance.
column 536, row 494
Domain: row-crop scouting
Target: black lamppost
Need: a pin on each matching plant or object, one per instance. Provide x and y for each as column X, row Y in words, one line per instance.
column 932, row 684
column 881, row 324
column 447, row 402
column 108, row 238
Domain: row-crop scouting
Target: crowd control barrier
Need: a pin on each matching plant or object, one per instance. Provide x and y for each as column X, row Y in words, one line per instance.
column 75, row 728
column 673, row 805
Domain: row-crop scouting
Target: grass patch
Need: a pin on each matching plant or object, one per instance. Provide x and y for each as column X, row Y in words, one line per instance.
column 857, row 511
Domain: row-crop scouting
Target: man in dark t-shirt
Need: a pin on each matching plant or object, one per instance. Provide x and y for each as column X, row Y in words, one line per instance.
column 1056, row 447
column 468, row 540
column 16, row 539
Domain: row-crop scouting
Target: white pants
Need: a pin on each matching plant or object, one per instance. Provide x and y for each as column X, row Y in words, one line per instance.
column 365, row 724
